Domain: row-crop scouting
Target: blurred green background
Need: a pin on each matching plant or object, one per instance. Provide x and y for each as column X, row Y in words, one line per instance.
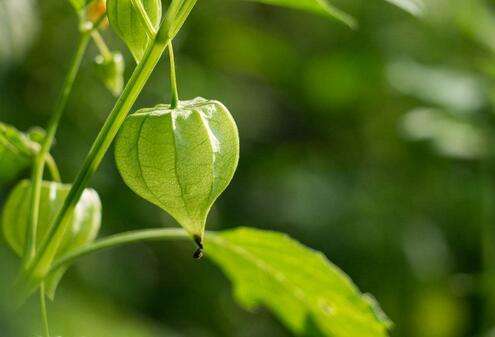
column 372, row 145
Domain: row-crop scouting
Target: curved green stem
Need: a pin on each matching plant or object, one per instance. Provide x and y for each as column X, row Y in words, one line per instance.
column 122, row 239
column 173, row 77
column 53, row 168
column 32, row 276
column 101, row 45
column 40, row 159
column 43, row 311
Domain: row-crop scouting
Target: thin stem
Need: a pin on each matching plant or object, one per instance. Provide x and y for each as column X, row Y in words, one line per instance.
column 39, row 161
column 98, row 150
column 173, row 77
column 40, row 265
column 43, row 311
column 120, row 240
column 101, row 45
column 145, row 20
column 173, row 9
column 53, row 168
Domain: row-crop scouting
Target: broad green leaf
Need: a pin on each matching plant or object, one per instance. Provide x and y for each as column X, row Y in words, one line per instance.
column 16, row 152
column 84, row 220
column 321, row 7
column 126, row 22
column 180, row 159
column 414, row 7
column 305, row 290
column 111, row 72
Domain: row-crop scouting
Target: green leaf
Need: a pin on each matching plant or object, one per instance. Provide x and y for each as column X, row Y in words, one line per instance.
column 180, row 159
column 111, row 72
column 16, row 152
column 305, row 290
column 414, row 7
column 321, row 7
column 84, row 220
column 126, row 22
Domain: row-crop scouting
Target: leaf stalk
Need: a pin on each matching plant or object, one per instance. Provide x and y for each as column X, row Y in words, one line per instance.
column 44, row 312
column 121, row 239
column 101, row 45
column 173, row 77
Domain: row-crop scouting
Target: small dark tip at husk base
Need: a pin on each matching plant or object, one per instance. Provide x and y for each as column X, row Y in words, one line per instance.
column 198, row 253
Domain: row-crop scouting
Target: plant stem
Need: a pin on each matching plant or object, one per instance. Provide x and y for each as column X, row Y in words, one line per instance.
column 173, row 77
column 145, row 19
column 122, row 239
column 52, row 167
column 40, row 158
column 43, row 311
column 40, row 265
column 172, row 10
column 101, row 45
column 98, row 150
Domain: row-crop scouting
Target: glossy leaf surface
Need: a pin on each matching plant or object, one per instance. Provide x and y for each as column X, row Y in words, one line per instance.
column 111, row 72
column 126, row 22
column 321, row 7
column 16, row 152
column 180, row 159
column 84, row 220
column 307, row 292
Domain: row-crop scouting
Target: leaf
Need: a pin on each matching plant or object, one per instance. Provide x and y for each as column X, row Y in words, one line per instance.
column 111, row 72
column 415, row 7
column 16, row 152
column 299, row 285
column 126, row 22
column 321, row 7
column 180, row 159
column 84, row 220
